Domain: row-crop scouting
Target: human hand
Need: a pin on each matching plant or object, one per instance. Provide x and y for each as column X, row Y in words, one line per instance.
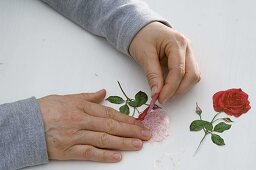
column 156, row 45
column 78, row 128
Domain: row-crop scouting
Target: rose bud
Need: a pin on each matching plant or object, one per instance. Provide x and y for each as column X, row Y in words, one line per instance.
column 198, row 110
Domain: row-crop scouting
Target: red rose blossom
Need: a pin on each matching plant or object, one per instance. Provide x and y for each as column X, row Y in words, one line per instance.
column 233, row 102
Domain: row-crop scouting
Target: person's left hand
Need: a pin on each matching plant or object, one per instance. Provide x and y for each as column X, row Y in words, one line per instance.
column 77, row 127
column 158, row 44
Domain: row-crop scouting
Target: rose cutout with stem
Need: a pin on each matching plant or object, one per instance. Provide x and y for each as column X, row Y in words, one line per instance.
column 139, row 100
column 232, row 102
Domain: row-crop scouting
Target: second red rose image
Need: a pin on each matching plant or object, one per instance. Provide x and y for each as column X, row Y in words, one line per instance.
column 231, row 102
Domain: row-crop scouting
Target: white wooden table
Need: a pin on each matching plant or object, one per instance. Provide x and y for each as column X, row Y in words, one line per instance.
column 44, row 53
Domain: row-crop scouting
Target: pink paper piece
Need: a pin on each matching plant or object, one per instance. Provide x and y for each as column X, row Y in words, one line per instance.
column 158, row 122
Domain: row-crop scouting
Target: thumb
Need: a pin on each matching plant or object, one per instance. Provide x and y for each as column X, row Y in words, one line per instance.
column 96, row 97
column 154, row 74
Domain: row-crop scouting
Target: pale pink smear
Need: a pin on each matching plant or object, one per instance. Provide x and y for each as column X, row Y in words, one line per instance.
column 158, row 122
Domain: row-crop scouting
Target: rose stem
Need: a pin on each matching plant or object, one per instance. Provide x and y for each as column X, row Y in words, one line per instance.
column 123, row 90
column 202, row 119
column 133, row 111
column 215, row 117
column 201, row 143
column 206, row 133
column 216, row 120
column 137, row 109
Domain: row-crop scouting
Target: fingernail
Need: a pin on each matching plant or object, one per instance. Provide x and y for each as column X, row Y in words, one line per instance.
column 117, row 156
column 154, row 90
column 137, row 143
column 146, row 133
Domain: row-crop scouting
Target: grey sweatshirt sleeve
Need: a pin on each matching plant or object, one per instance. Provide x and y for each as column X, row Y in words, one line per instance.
column 116, row 20
column 22, row 140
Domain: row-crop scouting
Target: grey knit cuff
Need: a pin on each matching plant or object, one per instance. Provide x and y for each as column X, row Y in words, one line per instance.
column 22, row 137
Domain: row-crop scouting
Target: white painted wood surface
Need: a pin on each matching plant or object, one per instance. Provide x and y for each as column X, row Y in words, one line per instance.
column 44, row 53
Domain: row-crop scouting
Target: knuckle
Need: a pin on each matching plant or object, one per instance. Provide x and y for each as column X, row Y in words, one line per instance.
column 194, row 77
column 197, row 77
column 79, row 134
column 130, row 120
column 134, row 129
column 180, row 69
column 81, row 104
column 182, row 41
column 87, row 153
column 86, row 107
column 111, row 126
column 109, row 112
column 74, row 117
column 84, row 96
column 72, row 132
column 104, row 157
column 152, row 78
column 103, row 140
column 123, row 141
column 88, row 122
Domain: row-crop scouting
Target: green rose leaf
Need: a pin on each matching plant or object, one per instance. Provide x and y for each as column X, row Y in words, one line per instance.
column 208, row 126
column 133, row 103
column 217, row 140
column 115, row 99
column 140, row 99
column 197, row 125
column 124, row 109
column 221, row 127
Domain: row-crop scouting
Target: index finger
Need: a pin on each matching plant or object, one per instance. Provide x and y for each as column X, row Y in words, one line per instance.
column 176, row 66
column 98, row 110
column 114, row 127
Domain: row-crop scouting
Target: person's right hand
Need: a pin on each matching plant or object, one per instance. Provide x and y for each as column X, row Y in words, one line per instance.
column 157, row 46
column 78, row 128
